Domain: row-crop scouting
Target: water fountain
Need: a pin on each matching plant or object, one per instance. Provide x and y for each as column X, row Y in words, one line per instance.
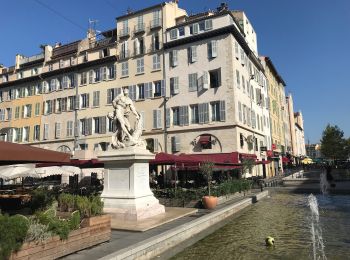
column 316, row 230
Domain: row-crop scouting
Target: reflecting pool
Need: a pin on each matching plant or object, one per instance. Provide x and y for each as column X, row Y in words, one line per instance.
column 286, row 217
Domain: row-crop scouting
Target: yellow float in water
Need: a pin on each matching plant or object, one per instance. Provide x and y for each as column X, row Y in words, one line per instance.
column 270, row 241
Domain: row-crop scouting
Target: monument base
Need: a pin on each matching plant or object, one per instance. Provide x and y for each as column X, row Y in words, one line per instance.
column 126, row 194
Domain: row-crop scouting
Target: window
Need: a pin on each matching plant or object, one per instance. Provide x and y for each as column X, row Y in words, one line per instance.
column 208, row 24
column 71, row 103
column 26, row 133
column 244, row 114
column 173, row 58
column 139, row 47
column 215, row 111
column 194, row 114
column 156, row 61
column 69, row 129
column 239, row 111
column 132, row 92
column 46, row 132
column 103, row 73
column 139, row 65
column 100, row 125
column 125, row 69
column 156, row 19
column 203, row 112
column 58, row 106
column 2, row 114
column 36, row 135
column 238, row 79
column 27, row 111
column 175, row 143
column 83, row 78
column 141, row 91
column 215, row 78
column 124, row 50
column 242, row 57
column 9, row 113
column 159, row 88
column 192, row 82
column 155, row 42
column 173, row 34
column 104, row 52
column 192, row 54
column 96, row 99
column 52, row 85
column 181, row 31
column 213, row 48
column 157, row 119
column 57, row 130
column 17, row 112
column 65, row 82
column 194, row 28
column 111, row 72
column 84, row 100
column 243, row 83
column 112, row 93
column 176, row 116
column 253, row 119
column 174, row 85
column 97, row 75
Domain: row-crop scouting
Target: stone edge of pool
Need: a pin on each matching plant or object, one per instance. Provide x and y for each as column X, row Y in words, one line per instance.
column 159, row 244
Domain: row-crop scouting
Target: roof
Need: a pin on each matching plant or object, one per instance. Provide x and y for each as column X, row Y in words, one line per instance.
column 140, row 11
column 273, row 69
column 12, row 153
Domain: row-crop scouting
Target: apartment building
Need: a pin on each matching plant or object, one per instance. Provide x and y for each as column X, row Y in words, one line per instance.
column 299, row 134
column 276, row 94
column 217, row 89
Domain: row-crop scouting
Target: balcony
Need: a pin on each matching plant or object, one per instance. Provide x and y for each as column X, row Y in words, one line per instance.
column 125, row 32
column 156, row 23
column 139, row 28
column 31, row 59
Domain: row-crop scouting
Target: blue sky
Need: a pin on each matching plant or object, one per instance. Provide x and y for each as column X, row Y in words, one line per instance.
column 308, row 42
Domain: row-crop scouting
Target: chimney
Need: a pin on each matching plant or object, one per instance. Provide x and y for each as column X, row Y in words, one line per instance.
column 57, row 44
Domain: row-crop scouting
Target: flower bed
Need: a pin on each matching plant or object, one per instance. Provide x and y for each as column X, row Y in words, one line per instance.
column 94, row 230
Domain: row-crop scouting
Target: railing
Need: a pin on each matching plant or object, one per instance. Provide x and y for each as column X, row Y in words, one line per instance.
column 31, row 58
column 156, row 23
column 140, row 27
column 124, row 32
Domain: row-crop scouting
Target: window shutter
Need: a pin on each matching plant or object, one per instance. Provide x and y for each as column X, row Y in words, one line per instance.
column 201, row 113
column 206, row 112
column 237, row 50
column 174, row 85
column 162, row 88
column 181, row 116
column 213, row 49
column 89, row 125
column 186, row 117
column 142, row 115
column 167, row 122
column 109, row 96
column 206, row 80
column 102, row 129
column 195, row 28
column 159, row 119
column 150, row 89
column 175, row 143
column 242, row 57
column 91, row 76
column 174, row 60
column 208, row 24
column 57, row 130
column 155, row 145
column 193, row 53
column 87, row 100
column 222, row 110
column 192, row 82
column 155, row 119
column 146, row 86
column 29, row 113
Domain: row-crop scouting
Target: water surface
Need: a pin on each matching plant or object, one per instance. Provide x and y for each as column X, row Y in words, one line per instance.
column 286, row 217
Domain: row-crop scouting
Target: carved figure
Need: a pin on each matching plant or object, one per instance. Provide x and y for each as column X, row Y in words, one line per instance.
column 124, row 135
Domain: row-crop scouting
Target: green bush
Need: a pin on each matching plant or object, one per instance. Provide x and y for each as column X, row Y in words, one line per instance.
column 13, row 231
column 55, row 225
column 37, row 232
column 84, row 206
column 41, row 199
column 66, row 202
column 96, row 205
column 74, row 221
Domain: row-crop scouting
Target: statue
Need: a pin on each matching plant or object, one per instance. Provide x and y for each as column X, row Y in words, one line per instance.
column 124, row 135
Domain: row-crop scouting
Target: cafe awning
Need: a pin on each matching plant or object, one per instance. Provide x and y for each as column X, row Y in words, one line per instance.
column 204, row 139
column 12, row 153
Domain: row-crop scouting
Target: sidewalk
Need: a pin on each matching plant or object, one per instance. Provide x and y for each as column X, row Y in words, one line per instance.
column 123, row 242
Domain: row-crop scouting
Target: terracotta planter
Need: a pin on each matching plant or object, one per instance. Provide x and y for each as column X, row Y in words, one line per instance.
column 209, row 202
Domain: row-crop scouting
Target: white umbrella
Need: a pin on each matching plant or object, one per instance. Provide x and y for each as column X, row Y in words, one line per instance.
column 57, row 170
column 18, row 171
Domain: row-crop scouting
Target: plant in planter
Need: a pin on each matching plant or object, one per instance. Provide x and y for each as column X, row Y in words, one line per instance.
column 247, row 165
column 206, row 170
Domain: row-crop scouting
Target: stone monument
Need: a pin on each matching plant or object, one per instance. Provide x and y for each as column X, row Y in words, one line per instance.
column 127, row 194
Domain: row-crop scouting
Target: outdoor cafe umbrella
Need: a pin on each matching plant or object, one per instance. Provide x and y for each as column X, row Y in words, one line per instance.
column 57, row 170
column 18, row 171
column 11, row 153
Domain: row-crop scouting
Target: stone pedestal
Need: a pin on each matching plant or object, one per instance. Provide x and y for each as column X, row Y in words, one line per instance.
column 126, row 194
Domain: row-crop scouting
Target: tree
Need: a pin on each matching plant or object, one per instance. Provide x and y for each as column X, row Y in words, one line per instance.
column 206, row 168
column 332, row 143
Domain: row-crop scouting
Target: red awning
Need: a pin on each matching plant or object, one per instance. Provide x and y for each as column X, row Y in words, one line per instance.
column 204, row 139
column 285, row 159
column 12, row 153
column 170, row 159
column 93, row 163
column 247, row 156
column 217, row 158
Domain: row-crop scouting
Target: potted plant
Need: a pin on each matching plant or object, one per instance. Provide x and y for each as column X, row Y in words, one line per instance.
column 206, row 169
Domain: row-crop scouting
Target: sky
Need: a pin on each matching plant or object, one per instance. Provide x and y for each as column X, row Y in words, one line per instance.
column 308, row 42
